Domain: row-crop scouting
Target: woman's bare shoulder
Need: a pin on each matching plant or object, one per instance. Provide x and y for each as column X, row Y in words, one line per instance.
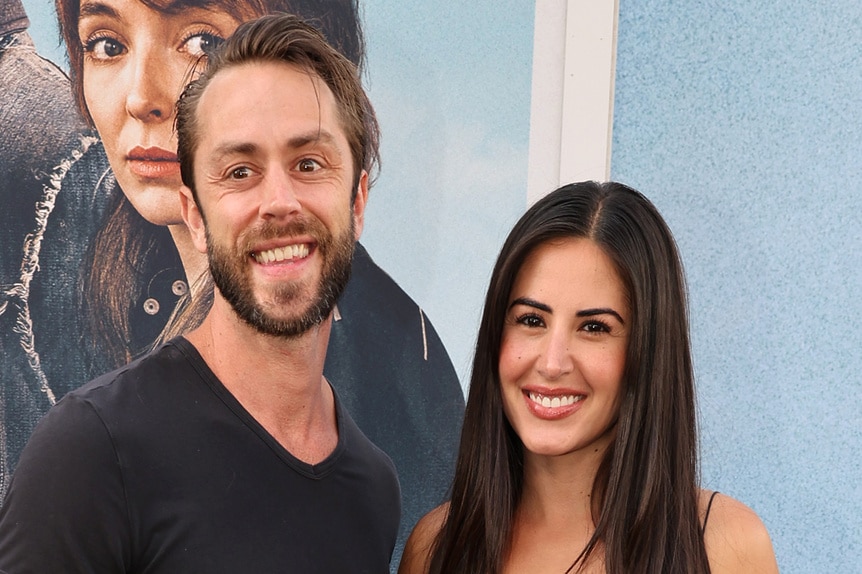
column 736, row 539
column 417, row 550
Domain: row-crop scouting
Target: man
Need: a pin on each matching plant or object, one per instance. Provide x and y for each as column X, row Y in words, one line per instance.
column 227, row 450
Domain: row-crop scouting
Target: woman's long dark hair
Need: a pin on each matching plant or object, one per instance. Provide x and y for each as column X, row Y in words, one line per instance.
column 126, row 245
column 119, row 262
column 646, row 489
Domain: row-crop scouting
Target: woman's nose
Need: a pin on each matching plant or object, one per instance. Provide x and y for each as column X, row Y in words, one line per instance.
column 153, row 88
column 556, row 359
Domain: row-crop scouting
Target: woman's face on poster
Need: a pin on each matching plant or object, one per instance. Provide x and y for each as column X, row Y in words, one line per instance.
column 136, row 62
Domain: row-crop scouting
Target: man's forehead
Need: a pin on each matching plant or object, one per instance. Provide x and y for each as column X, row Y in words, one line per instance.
column 265, row 82
column 230, row 147
column 237, row 75
column 245, row 102
column 268, row 83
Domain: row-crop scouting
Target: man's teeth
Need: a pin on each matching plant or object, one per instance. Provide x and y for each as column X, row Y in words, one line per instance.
column 282, row 253
column 554, row 402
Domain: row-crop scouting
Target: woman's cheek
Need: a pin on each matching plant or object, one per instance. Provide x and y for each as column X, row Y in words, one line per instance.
column 513, row 358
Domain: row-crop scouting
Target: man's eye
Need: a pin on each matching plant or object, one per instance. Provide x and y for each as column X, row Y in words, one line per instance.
column 104, row 48
column 202, row 44
column 240, row 173
column 307, row 165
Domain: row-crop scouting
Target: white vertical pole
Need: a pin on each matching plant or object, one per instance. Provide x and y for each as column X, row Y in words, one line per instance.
column 571, row 118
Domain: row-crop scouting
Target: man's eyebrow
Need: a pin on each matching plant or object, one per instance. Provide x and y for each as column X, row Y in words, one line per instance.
column 233, row 148
column 600, row 311
column 316, row 136
column 300, row 141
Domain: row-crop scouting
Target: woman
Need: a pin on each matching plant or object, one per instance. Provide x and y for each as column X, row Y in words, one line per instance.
column 578, row 451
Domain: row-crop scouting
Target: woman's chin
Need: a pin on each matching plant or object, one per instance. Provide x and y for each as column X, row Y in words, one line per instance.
column 158, row 201
column 159, row 211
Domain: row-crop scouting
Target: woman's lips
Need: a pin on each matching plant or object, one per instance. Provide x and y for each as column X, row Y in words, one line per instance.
column 553, row 405
column 153, row 163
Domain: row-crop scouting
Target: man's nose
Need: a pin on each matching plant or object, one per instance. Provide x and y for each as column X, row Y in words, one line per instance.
column 280, row 197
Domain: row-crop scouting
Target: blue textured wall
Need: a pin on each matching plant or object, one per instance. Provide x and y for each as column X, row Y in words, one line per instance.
column 743, row 122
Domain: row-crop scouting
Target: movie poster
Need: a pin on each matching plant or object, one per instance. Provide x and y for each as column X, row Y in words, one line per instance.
column 95, row 270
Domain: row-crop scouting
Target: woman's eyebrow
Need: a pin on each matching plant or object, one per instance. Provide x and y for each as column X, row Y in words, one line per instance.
column 97, row 9
column 600, row 311
column 531, row 303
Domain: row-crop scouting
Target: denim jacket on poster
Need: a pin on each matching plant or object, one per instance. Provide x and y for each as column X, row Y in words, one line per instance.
column 42, row 139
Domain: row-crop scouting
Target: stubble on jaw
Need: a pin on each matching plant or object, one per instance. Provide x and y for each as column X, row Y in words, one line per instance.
column 231, row 273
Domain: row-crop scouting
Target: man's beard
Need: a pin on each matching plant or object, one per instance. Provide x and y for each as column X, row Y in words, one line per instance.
column 230, row 271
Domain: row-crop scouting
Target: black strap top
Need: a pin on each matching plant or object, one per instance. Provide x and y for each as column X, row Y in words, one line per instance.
column 708, row 508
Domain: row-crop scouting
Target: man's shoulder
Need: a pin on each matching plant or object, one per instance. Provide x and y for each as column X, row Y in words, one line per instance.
column 148, row 401
column 153, row 376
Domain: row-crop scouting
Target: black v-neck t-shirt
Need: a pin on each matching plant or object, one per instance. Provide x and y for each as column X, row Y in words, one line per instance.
column 157, row 468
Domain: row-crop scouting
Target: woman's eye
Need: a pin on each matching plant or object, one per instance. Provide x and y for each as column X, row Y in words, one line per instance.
column 531, row 320
column 307, row 165
column 596, row 327
column 104, row 48
column 202, row 44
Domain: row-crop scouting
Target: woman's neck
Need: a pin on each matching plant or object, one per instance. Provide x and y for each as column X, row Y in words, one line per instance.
column 554, row 519
column 559, row 489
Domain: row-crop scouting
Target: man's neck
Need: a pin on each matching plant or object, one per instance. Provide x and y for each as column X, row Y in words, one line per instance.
column 279, row 381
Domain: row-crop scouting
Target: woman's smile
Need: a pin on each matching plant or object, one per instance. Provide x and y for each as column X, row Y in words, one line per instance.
column 553, row 404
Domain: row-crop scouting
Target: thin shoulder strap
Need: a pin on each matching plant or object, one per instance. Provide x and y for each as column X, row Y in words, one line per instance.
column 708, row 508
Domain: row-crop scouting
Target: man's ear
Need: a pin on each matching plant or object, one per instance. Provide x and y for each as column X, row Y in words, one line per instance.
column 193, row 218
column 359, row 203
